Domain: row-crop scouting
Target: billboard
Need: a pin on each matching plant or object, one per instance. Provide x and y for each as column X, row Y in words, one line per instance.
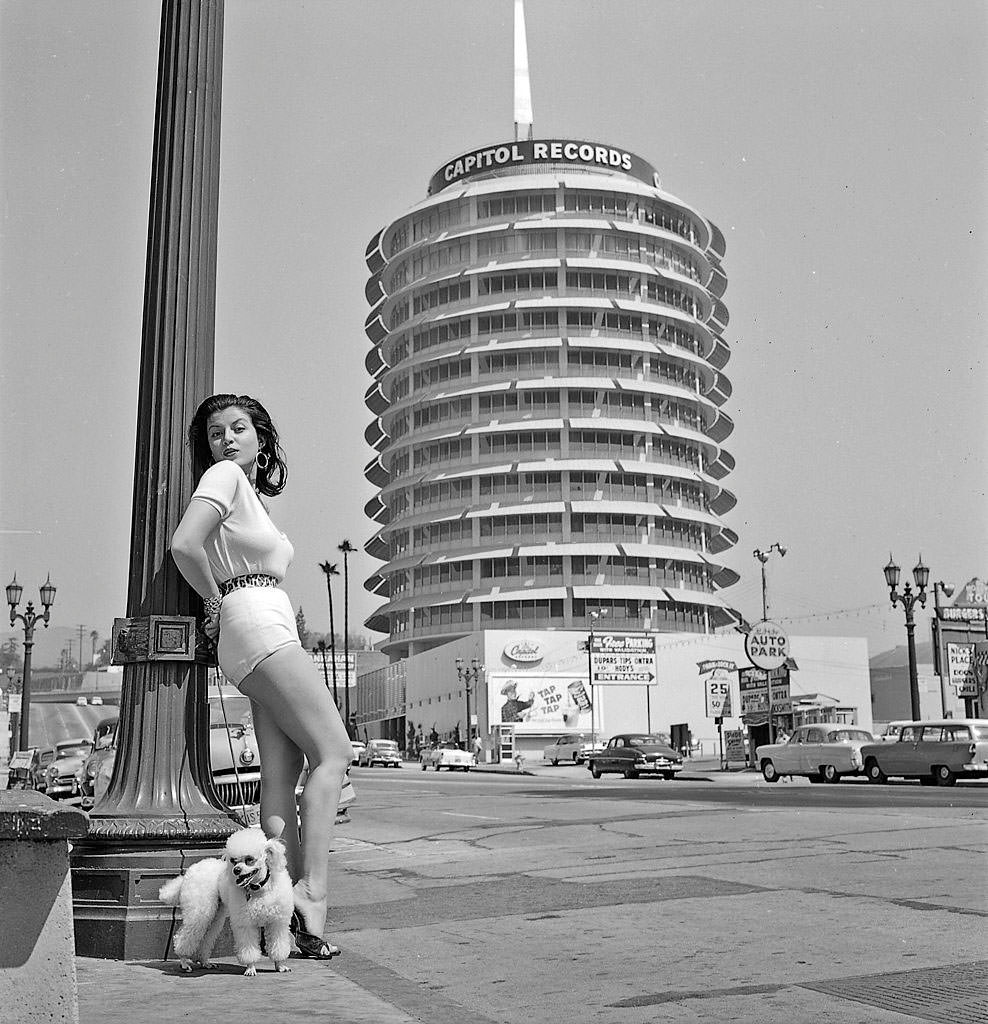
column 540, row 703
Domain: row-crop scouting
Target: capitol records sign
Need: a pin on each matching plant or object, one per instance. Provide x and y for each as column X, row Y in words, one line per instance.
column 527, row 651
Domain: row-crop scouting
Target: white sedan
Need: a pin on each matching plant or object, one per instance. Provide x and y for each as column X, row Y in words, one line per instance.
column 575, row 748
column 447, row 755
column 824, row 753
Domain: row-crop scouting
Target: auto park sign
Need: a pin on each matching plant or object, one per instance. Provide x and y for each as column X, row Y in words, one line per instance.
column 767, row 645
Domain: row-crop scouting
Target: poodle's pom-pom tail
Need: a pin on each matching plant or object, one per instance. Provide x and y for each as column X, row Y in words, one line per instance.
column 170, row 892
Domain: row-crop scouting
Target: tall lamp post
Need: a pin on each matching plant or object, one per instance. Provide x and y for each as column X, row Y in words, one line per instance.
column 947, row 589
column 762, row 557
column 331, row 571
column 921, row 574
column 594, row 616
column 29, row 618
column 468, row 674
column 347, row 548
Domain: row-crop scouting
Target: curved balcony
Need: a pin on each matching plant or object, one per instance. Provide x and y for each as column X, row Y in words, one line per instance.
column 376, row 510
column 375, row 399
column 374, row 255
column 376, row 473
column 374, row 291
column 375, row 436
column 374, row 326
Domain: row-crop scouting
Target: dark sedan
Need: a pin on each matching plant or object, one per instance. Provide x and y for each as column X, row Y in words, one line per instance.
column 633, row 754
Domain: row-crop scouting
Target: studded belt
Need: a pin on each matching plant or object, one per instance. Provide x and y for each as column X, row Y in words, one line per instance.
column 252, row 579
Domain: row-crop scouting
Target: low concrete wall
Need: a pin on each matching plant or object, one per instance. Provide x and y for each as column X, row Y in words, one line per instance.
column 37, row 945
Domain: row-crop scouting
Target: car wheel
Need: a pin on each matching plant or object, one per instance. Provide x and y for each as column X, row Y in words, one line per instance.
column 577, row 759
column 424, row 766
column 769, row 774
column 595, row 771
column 830, row 773
column 630, row 773
column 555, row 761
column 668, row 776
column 874, row 772
column 438, row 767
column 944, row 776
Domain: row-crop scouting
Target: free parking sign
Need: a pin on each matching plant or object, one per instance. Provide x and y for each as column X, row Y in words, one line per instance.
column 767, row 645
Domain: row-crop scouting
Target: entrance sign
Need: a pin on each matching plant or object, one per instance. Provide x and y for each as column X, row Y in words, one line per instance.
column 767, row 645
column 622, row 659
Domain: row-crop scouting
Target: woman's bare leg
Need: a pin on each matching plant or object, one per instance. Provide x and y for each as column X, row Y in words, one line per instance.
column 291, row 695
column 281, row 765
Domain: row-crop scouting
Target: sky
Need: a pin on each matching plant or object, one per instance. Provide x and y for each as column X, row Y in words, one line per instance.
column 840, row 146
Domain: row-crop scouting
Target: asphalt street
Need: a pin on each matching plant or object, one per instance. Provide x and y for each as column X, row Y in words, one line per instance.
column 552, row 897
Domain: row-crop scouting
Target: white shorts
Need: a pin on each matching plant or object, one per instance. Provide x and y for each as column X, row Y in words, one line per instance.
column 254, row 623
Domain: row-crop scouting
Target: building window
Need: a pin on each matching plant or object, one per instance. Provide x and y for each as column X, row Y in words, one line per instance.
column 519, row 204
column 519, row 281
column 538, row 361
column 437, row 373
column 595, row 202
column 441, row 295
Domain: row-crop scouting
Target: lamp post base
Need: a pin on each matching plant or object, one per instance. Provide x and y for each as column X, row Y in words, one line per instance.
column 115, row 904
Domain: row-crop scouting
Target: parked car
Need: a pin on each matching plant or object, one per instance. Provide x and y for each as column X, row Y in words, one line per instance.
column 358, row 749
column 382, row 752
column 823, row 752
column 936, row 752
column 574, row 747
column 93, row 775
column 891, row 732
column 447, row 755
column 60, row 779
column 634, row 753
column 231, row 743
column 234, row 758
column 39, row 769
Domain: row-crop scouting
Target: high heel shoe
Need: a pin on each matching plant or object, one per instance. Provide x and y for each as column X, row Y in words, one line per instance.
column 310, row 946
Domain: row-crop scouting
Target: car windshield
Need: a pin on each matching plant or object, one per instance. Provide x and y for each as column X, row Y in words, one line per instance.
column 848, row 735
column 232, row 711
column 68, row 749
column 980, row 733
column 655, row 740
column 384, row 744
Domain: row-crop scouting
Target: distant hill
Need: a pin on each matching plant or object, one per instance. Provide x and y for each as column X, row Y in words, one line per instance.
column 898, row 657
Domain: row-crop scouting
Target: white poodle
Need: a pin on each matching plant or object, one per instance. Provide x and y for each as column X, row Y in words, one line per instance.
column 250, row 885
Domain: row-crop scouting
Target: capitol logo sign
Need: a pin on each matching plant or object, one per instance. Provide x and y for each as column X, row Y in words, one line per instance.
column 523, row 650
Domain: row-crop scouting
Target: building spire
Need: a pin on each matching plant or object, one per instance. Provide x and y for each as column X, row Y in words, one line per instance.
column 523, row 87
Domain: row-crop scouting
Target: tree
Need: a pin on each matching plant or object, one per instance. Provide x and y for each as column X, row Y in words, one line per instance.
column 303, row 633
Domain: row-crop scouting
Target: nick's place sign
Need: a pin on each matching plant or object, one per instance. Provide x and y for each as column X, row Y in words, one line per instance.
column 549, row 151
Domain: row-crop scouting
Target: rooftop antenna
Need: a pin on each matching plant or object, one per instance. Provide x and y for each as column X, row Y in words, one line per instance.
column 523, row 86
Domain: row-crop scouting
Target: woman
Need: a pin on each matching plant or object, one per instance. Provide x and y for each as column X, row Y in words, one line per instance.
column 232, row 555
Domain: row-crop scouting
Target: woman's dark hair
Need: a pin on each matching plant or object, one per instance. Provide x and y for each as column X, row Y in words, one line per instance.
column 270, row 479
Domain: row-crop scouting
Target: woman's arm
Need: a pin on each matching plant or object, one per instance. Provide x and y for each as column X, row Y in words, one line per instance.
column 188, row 547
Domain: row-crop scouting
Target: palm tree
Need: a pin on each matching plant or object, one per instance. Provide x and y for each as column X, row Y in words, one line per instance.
column 347, row 548
column 330, row 570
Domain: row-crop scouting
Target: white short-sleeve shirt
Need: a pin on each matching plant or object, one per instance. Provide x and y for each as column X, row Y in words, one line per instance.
column 245, row 540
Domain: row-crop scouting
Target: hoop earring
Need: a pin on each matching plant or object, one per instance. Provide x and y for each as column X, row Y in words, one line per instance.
column 267, row 460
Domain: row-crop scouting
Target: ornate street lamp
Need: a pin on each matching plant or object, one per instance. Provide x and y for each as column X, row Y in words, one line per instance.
column 468, row 674
column 762, row 557
column 28, row 617
column 331, row 571
column 921, row 574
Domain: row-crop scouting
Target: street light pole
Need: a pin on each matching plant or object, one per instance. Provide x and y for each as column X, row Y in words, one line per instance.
column 331, row 571
column 762, row 557
column 29, row 617
column 594, row 616
column 921, row 574
column 467, row 674
column 347, row 548
column 947, row 589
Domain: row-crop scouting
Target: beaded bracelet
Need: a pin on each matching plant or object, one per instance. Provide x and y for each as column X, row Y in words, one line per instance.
column 212, row 605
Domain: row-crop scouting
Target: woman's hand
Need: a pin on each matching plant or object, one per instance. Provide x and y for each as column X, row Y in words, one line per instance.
column 211, row 626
